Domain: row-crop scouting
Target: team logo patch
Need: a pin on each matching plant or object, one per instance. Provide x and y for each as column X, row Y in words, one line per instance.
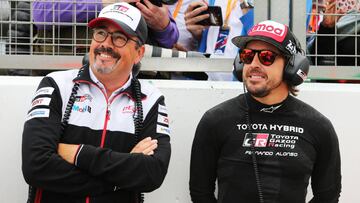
column 270, row 109
column 162, row 109
column 162, row 129
column 128, row 109
column 45, row 101
column 291, row 47
column 260, row 139
column 82, row 109
column 163, row 119
column 301, row 74
column 121, row 8
column 44, row 91
column 83, row 98
column 270, row 29
column 38, row 113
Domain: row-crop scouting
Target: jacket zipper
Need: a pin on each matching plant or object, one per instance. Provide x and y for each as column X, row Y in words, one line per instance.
column 107, row 118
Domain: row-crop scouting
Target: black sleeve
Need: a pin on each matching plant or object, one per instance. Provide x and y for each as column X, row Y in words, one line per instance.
column 326, row 176
column 42, row 166
column 134, row 171
column 203, row 164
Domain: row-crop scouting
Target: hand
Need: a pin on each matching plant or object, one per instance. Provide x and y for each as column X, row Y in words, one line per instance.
column 157, row 18
column 108, row 2
column 68, row 151
column 192, row 17
column 145, row 146
column 329, row 18
column 180, row 47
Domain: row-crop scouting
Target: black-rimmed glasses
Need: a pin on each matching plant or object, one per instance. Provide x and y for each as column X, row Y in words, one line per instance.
column 118, row 39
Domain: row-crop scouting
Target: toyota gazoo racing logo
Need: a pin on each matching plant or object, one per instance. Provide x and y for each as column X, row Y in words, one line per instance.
column 269, row 29
column 259, row 139
column 121, row 8
column 83, row 98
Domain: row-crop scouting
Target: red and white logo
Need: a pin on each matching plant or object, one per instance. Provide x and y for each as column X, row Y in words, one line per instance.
column 269, row 29
column 163, row 119
column 261, row 139
column 128, row 109
column 41, row 101
column 121, row 8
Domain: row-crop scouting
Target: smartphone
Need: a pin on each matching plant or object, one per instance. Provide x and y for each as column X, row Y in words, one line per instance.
column 215, row 18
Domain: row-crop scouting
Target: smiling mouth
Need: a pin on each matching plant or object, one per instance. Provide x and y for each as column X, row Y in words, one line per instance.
column 256, row 77
column 106, row 53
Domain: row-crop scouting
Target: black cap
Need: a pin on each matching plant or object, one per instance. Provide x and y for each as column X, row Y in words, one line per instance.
column 273, row 33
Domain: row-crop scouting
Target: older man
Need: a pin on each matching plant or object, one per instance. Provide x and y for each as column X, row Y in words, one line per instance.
column 97, row 135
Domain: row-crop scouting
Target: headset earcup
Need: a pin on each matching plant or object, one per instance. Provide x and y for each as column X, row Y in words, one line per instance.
column 238, row 68
column 296, row 69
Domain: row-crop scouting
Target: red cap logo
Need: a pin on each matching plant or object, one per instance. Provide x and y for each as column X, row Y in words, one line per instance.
column 121, row 8
column 269, row 29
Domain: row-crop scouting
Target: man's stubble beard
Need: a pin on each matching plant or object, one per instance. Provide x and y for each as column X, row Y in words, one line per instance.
column 105, row 69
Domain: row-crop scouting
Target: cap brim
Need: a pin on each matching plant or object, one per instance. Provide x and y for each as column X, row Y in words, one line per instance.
column 120, row 25
column 241, row 41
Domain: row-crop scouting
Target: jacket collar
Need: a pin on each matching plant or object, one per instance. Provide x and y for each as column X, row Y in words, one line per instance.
column 87, row 76
column 260, row 107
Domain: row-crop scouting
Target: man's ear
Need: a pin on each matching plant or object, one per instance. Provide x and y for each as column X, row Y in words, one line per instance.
column 140, row 53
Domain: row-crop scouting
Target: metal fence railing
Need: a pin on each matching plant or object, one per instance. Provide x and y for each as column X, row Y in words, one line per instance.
column 56, row 36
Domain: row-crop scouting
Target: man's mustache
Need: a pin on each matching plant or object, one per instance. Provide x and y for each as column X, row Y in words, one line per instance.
column 107, row 50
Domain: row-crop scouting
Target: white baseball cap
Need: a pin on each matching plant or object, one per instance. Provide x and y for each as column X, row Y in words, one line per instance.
column 124, row 16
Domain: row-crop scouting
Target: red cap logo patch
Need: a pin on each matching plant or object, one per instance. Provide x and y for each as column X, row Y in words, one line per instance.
column 269, row 29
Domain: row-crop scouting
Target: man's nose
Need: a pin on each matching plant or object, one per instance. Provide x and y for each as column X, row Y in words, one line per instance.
column 255, row 62
column 108, row 40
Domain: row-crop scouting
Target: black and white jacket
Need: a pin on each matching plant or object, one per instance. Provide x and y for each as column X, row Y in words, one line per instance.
column 104, row 170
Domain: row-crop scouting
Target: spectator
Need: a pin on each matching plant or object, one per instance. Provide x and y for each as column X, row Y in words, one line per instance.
column 21, row 33
column 186, row 40
column 338, row 34
column 98, row 135
column 162, row 28
column 237, row 15
column 4, row 16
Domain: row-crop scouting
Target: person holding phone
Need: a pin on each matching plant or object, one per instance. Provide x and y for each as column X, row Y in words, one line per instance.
column 162, row 27
column 236, row 15
column 337, row 40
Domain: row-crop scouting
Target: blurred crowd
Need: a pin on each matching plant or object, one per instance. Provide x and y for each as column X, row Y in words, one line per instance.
column 48, row 27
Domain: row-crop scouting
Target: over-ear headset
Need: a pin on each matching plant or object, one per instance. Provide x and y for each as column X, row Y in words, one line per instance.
column 295, row 71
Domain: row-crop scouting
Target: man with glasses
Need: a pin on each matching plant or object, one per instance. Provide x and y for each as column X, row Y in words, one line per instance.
column 98, row 135
column 265, row 145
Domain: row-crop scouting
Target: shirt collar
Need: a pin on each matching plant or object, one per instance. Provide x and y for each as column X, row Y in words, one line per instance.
column 117, row 91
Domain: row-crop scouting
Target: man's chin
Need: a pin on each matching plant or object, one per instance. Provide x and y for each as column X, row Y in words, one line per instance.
column 257, row 92
column 104, row 69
